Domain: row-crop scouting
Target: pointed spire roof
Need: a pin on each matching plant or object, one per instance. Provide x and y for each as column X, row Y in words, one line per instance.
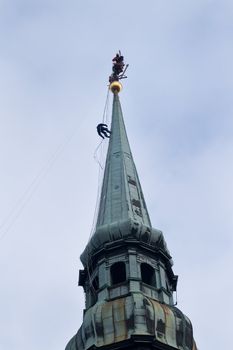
column 122, row 213
column 121, row 195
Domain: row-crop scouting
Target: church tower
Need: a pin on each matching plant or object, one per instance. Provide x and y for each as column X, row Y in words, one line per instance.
column 127, row 278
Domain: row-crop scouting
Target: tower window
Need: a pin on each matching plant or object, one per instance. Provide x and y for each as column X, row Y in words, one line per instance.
column 148, row 274
column 118, row 273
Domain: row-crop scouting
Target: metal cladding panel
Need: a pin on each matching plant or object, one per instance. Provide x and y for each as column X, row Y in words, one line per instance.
column 170, row 329
column 159, row 321
column 119, row 320
column 139, row 312
column 114, row 321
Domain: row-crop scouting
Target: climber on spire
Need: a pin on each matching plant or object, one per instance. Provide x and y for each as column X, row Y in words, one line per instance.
column 118, row 64
column 102, row 130
column 118, row 68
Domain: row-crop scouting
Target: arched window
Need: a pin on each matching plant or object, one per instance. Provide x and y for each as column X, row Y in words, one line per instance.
column 118, row 273
column 148, row 274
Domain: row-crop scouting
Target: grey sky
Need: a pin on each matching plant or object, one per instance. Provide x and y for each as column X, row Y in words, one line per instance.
column 55, row 58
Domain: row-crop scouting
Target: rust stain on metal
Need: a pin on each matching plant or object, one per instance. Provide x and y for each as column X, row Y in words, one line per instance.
column 117, row 320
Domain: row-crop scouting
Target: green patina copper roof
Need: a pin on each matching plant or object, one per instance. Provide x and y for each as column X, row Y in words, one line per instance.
column 121, row 195
column 122, row 210
column 118, row 320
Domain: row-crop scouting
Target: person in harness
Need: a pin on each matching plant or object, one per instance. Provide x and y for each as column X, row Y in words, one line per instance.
column 118, row 64
column 102, row 130
column 117, row 68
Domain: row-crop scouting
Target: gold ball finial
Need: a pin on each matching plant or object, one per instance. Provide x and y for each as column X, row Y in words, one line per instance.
column 115, row 87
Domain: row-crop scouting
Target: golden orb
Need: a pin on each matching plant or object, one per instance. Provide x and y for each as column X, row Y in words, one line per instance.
column 115, row 87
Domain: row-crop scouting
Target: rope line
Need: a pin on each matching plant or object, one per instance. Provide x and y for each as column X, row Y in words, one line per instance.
column 99, row 157
column 21, row 203
column 96, row 154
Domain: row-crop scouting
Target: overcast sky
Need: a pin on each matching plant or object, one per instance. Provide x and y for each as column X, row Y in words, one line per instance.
column 55, row 58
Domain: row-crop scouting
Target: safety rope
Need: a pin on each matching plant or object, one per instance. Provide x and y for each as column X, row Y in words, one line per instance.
column 99, row 157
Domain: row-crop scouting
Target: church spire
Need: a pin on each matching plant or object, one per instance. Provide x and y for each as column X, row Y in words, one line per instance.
column 127, row 277
column 121, row 195
column 122, row 212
